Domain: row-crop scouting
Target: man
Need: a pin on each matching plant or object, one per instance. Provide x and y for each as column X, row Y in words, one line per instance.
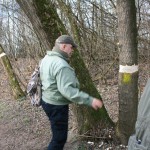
column 60, row 87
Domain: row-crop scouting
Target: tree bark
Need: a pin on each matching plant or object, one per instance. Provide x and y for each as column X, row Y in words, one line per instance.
column 16, row 90
column 53, row 27
column 128, row 57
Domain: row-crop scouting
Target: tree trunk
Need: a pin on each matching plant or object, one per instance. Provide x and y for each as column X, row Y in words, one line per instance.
column 128, row 73
column 82, row 113
column 16, row 90
column 28, row 8
column 53, row 27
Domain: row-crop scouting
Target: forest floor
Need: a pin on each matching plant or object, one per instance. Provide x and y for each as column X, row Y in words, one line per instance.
column 24, row 127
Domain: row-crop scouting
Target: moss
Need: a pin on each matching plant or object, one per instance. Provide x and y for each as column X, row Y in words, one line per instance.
column 87, row 85
column 50, row 20
column 83, row 75
column 85, row 127
column 17, row 91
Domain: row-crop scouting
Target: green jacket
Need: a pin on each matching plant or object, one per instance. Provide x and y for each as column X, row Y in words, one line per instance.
column 59, row 83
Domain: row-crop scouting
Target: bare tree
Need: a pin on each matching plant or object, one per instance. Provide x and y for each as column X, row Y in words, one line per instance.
column 128, row 73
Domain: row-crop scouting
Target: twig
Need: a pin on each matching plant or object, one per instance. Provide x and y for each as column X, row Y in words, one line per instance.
column 87, row 136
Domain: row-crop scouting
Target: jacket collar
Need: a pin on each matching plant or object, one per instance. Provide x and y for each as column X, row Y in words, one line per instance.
column 60, row 53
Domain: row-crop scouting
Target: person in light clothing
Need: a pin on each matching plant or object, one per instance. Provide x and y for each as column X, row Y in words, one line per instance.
column 60, row 87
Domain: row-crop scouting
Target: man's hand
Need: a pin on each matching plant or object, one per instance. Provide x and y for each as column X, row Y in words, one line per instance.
column 97, row 103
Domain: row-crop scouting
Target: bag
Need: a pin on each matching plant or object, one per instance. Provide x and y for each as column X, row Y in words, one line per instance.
column 34, row 88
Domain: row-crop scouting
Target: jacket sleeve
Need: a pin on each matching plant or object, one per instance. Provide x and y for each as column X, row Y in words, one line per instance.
column 67, row 84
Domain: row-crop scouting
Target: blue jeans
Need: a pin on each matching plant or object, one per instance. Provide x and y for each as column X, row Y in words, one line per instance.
column 58, row 117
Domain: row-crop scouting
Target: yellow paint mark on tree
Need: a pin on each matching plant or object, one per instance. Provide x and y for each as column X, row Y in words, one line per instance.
column 126, row 77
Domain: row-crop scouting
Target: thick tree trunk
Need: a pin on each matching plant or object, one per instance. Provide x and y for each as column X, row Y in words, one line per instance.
column 53, row 27
column 128, row 73
column 82, row 113
column 16, row 90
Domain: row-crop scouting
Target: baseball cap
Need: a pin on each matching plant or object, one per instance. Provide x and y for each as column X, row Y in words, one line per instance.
column 66, row 39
